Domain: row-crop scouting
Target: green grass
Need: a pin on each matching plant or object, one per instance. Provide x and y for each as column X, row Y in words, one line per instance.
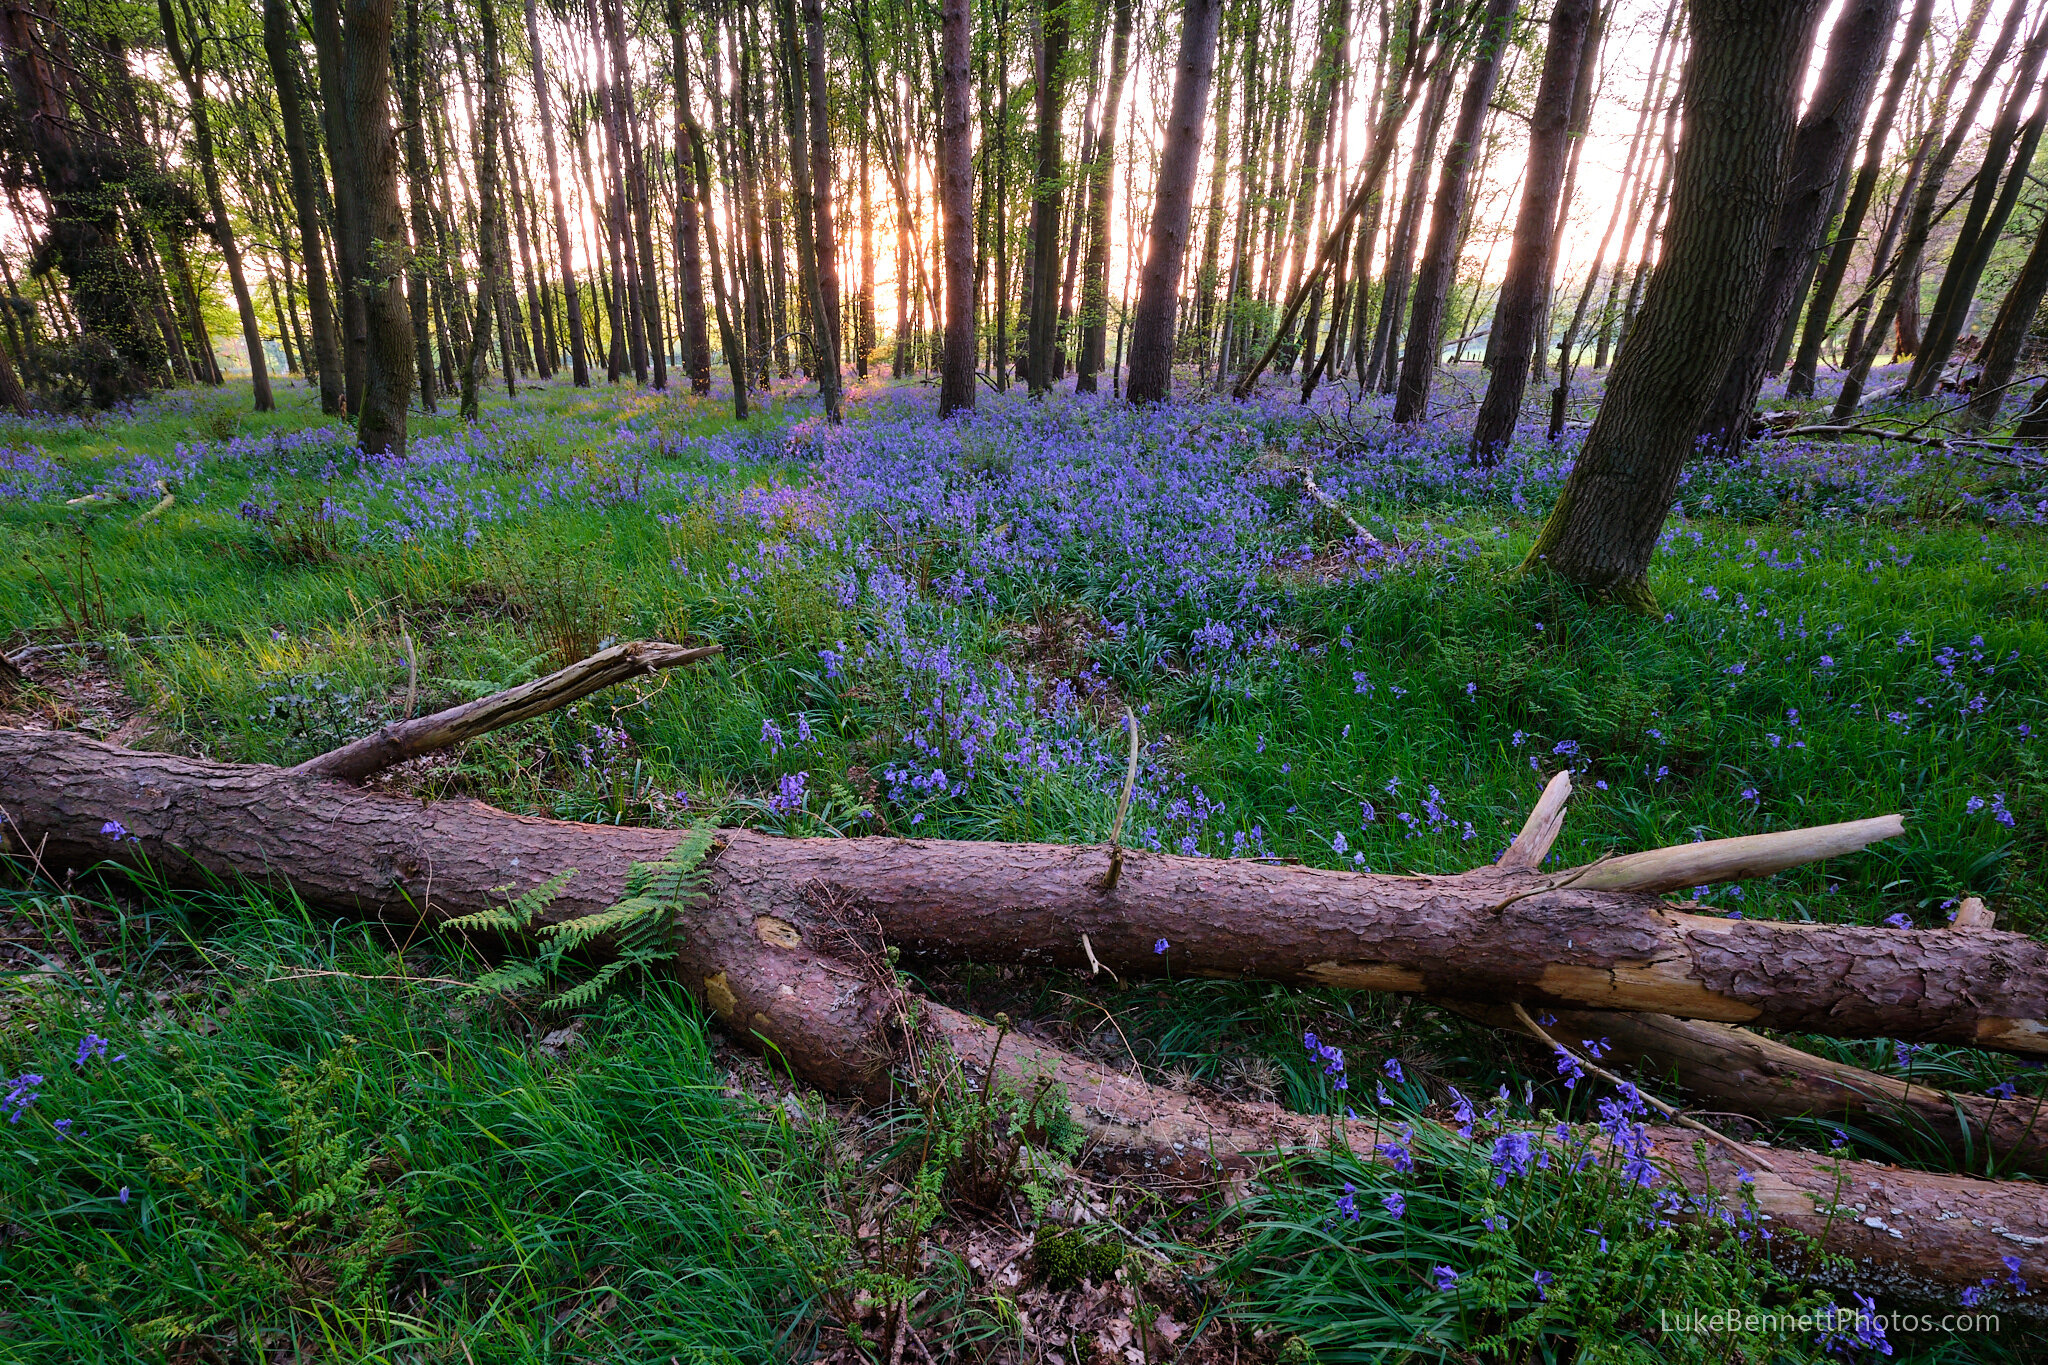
column 507, row 1195
column 291, row 1158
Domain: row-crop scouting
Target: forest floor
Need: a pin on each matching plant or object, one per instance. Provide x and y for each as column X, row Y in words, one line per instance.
column 262, row 1135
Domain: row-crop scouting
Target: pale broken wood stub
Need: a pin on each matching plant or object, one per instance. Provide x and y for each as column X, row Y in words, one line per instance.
column 402, row 740
column 1541, row 829
column 1973, row 913
column 1740, row 859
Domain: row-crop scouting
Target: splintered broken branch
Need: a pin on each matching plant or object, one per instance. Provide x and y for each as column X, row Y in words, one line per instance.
column 405, row 739
column 1739, row 859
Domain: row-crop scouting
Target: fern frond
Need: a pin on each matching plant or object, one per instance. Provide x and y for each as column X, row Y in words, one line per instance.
column 589, row 991
column 518, row 974
column 517, row 915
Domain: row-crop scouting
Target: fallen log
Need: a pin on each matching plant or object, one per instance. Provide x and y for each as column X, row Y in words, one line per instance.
column 1490, row 934
column 775, row 948
column 1736, row 1070
column 1908, row 1233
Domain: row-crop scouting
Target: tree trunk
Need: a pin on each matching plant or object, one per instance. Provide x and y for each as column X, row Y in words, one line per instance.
column 1173, row 202
column 647, row 279
column 1525, row 288
column 1740, row 94
column 956, row 189
column 579, row 354
column 1990, row 206
column 185, row 61
column 1440, row 256
column 1380, row 369
column 1819, row 309
column 1856, row 49
column 1094, row 349
column 2000, row 354
column 280, row 41
column 825, row 231
column 84, row 225
column 490, row 265
column 1907, row 261
column 412, row 80
column 691, row 210
column 1733, row 1070
column 1041, row 317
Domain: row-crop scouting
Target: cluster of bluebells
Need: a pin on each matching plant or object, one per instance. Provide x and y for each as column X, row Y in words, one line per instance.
column 1332, row 1058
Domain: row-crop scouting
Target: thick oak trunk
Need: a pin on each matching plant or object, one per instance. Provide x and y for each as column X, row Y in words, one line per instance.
column 1738, row 94
column 1820, row 148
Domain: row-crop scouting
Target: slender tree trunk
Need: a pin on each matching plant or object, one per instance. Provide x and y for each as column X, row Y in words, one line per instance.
column 411, row 81
column 957, row 381
column 1042, row 314
column 1101, row 182
column 1380, row 369
column 825, row 231
column 626, row 130
column 1440, row 256
column 1740, row 95
column 490, row 266
column 2000, row 353
column 1920, row 225
column 280, row 42
column 1820, row 148
column 185, row 61
column 1990, row 205
column 1827, row 287
column 692, row 207
column 1526, row 285
column 572, row 297
column 864, row 316
column 1152, row 326
column 543, row 363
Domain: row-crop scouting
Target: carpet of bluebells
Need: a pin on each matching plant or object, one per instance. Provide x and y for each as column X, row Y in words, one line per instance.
column 952, row 627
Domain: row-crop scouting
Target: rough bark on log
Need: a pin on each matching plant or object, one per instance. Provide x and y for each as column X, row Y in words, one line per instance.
column 766, row 948
column 1486, row 934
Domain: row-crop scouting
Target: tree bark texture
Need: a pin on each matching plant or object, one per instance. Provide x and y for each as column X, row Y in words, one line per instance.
column 1739, row 94
column 1856, row 48
column 1173, row 202
column 280, row 42
column 1439, row 268
column 1521, row 307
column 1999, row 358
column 1828, row 285
column 775, row 946
column 1094, row 350
column 1491, row 933
column 956, row 194
column 1042, row 320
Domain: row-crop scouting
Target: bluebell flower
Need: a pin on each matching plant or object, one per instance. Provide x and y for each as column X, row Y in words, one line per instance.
column 1161, row 946
column 1392, row 1066
column 1394, row 1204
column 1446, row 1278
column 114, row 830
column 1543, row 1279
